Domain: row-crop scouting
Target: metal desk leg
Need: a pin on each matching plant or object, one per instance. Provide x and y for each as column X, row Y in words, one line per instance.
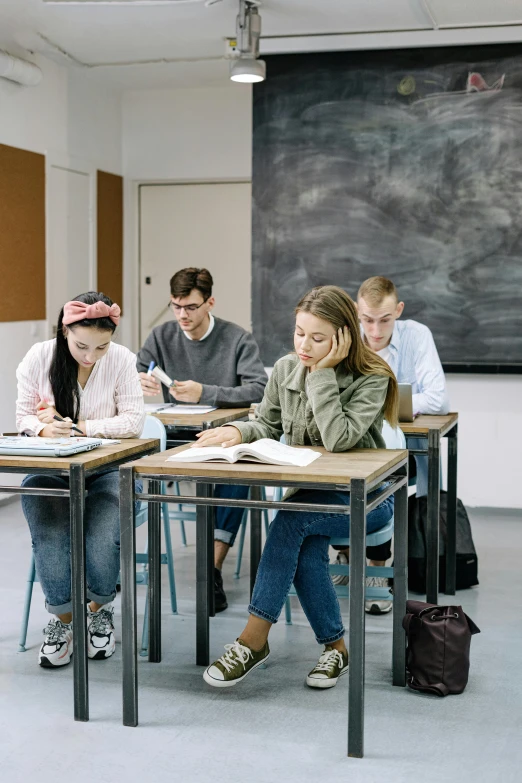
column 210, row 527
column 204, row 556
column 255, row 537
column 432, row 533
column 451, row 517
column 357, row 619
column 154, row 530
column 400, row 583
column 79, row 592
column 129, row 634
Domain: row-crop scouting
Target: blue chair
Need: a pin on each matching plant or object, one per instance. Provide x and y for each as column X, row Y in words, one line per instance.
column 394, row 439
column 153, row 428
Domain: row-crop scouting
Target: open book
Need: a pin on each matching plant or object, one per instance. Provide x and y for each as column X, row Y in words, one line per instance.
column 265, row 450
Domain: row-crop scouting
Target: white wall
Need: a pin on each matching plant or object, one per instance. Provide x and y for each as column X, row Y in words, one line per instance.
column 196, row 135
column 205, row 134
column 65, row 116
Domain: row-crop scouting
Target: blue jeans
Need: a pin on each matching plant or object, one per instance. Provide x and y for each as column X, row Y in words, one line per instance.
column 49, row 523
column 296, row 550
column 228, row 520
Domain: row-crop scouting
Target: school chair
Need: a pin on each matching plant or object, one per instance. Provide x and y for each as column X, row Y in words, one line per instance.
column 394, row 439
column 242, row 533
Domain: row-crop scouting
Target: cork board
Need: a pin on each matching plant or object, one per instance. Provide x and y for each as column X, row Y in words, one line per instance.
column 110, row 235
column 22, row 234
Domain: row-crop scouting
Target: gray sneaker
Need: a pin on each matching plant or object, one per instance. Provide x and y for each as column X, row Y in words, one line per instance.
column 341, row 579
column 331, row 665
column 375, row 606
column 238, row 661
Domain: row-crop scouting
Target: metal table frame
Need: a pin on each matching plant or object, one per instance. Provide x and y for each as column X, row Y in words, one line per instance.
column 77, row 473
column 205, row 502
column 432, row 450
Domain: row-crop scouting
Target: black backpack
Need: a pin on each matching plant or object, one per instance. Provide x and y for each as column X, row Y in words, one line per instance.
column 439, row 639
column 467, row 562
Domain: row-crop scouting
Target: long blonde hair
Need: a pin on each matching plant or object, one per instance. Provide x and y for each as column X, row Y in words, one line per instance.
column 332, row 304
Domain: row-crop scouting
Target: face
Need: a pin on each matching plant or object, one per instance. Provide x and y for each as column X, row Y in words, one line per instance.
column 191, row 320
column 87, row 345
column 378, row 321
column 312, row 338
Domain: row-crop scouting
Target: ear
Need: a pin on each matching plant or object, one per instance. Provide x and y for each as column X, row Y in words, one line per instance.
column 400, row 308
column 211, row 302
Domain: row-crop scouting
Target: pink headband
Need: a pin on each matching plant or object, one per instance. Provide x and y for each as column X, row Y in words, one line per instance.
column 78, row 311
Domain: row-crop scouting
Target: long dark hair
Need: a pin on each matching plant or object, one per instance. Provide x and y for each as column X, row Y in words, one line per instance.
column 63, row 372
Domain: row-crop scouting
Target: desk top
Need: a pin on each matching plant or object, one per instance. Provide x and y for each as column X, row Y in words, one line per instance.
column 425, row 422
column 198, row 421
column 370, row 464
column 97, row 458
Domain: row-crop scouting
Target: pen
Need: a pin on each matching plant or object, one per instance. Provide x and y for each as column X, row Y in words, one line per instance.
column 59, row 418
column 151, row 367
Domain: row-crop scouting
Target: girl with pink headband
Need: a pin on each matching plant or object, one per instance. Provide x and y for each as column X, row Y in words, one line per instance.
column 92, row 383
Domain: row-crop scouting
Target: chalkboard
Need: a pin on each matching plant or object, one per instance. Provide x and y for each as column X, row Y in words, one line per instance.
column 406, row 164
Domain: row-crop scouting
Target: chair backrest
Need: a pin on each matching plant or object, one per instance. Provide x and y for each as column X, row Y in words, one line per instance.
column 154, row 428
column 394, row 438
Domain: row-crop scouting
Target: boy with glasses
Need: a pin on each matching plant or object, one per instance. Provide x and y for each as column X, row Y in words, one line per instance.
column 213, row 362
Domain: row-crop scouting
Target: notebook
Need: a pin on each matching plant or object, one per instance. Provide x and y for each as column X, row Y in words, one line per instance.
column 47, row 447
column 265, row 450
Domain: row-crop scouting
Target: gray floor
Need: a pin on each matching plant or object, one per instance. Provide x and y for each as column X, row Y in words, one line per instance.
column 271, row 726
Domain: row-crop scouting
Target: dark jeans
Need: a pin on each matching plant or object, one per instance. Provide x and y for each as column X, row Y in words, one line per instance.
column 49, row 523
column 228, row 520
column 296, row 550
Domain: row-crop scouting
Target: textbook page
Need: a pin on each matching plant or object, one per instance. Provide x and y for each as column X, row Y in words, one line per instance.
column 265, row 451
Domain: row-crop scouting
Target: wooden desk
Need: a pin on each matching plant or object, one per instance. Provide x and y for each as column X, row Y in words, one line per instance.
column 430, row 430
column 198, row 422
column 76, row 468
column 358, row 471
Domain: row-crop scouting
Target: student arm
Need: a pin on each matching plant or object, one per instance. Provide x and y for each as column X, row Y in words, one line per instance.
column 252, row 374
column 433, row 397
column 130, row 417
column 343, row 425
column 28, row 395
column 267, row 423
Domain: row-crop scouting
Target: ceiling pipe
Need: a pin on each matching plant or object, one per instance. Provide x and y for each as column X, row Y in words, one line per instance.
column 19, row 71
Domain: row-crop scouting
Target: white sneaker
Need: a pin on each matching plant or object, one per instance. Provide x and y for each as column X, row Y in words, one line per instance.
column 373, row 606
column 57, row 646
column 340, row 579
column 101, row 642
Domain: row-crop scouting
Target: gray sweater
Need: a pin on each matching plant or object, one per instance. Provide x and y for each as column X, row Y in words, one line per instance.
column 226, row 363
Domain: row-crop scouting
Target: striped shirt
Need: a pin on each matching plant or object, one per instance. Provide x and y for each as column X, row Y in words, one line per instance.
column 414, row 360
column 111, row 404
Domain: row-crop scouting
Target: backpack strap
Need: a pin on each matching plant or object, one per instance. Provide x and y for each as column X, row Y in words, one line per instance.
column 437, row 689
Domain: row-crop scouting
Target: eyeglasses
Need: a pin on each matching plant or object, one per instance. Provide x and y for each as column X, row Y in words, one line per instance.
column 191, row 308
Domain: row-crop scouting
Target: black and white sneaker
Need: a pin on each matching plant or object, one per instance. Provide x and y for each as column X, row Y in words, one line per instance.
column 57, row 646
column 101, row 642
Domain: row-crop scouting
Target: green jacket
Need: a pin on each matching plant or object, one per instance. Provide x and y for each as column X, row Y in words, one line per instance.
column 339, row 410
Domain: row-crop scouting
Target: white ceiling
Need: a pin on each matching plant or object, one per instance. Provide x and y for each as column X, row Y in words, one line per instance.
column 98, row 34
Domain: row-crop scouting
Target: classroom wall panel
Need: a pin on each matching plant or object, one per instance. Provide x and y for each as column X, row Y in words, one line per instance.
column 110, row 235
column 22, row 234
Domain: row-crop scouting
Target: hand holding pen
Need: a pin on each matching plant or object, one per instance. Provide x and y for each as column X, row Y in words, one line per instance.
column 56, row 426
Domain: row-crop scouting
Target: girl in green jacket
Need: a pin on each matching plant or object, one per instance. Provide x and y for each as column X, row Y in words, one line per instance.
column 334, row 391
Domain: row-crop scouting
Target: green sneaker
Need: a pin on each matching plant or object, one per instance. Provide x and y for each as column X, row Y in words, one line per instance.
column 331, row 665
column 238, row 661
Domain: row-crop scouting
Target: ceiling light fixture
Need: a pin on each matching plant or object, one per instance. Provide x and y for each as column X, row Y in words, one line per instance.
column 247, row 68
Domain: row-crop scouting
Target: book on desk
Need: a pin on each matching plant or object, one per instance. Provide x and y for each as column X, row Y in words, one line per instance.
column 266, row 451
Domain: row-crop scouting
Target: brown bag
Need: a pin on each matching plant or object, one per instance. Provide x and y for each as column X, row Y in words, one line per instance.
column 439, row 639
